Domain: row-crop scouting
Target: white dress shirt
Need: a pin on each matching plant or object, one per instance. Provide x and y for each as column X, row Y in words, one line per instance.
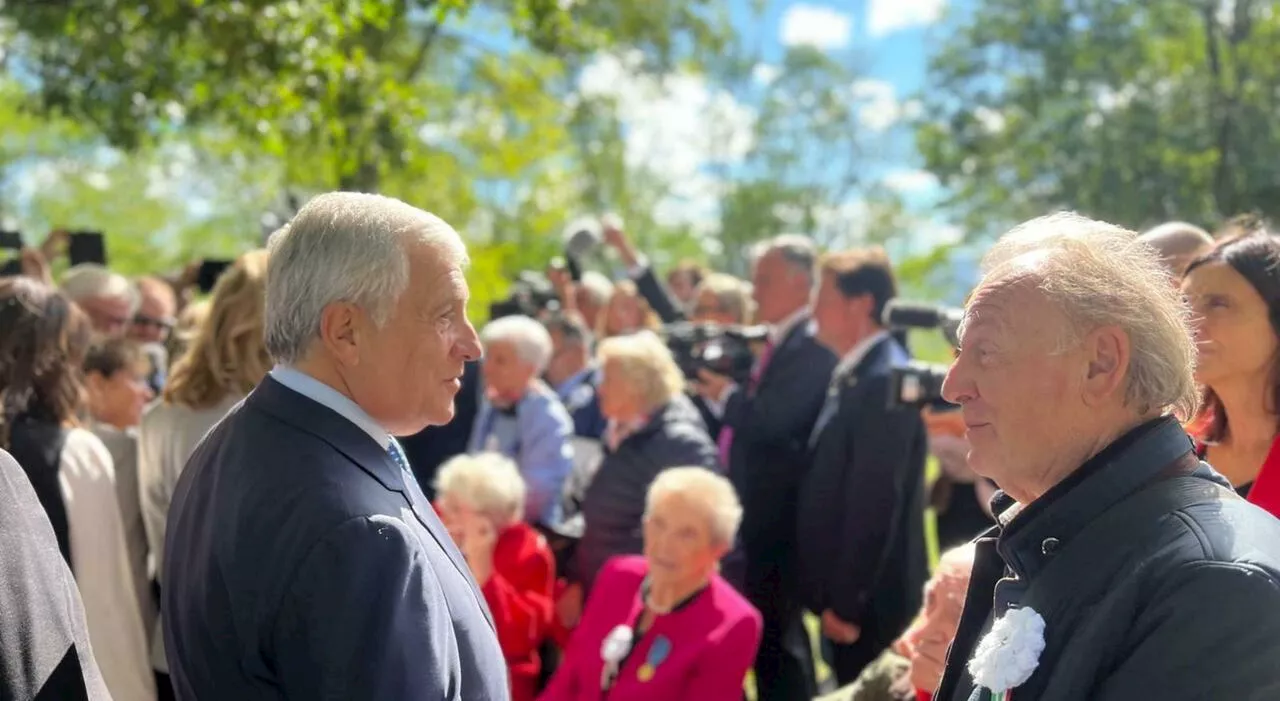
column 323, row 394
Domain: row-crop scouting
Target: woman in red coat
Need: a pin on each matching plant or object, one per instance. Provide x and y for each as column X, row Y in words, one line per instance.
column 665, row 625
column 481, row 499
column 1234, row 290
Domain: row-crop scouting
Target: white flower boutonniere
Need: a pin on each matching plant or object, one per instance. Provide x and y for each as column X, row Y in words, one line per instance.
column 1007, row 656
column 613, row 650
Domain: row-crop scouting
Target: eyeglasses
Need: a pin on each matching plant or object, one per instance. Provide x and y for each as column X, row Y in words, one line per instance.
column 164, row 325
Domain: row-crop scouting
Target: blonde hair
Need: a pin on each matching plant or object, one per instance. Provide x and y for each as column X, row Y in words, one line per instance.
column 645, row 363
column 626, row 288
column 227, row 355
column 713, row 492
column 732, row 295
column 487, row 482
column 1099, row 275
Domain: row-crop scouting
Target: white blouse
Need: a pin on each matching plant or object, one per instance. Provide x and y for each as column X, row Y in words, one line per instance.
column 100, row 560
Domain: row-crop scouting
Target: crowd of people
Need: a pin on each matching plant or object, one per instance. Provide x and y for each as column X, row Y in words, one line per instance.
column 322, row 481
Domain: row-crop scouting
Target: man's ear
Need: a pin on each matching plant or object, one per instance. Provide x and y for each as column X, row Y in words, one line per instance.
column 1107, row 353
column 340, row 332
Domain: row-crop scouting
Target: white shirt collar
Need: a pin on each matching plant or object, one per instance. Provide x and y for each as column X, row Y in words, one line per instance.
column 778, row 332
column 860, row 350
column 326, row 396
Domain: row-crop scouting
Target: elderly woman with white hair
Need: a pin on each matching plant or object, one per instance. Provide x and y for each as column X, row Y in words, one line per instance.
column 521, row 416
column 665, row 625
column 652, row 427
column 480, row 499
column 1122, row 567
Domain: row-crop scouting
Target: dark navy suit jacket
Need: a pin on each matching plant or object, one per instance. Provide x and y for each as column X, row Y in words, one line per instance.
column 300, row 564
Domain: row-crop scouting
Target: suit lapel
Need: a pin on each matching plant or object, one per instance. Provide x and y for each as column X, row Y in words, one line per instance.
column 357, row 446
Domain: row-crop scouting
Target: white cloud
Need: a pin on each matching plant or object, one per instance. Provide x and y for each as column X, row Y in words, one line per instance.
column 764, row 73
column 819, row 27
column 992, row 121
column 913, row 181
column 1109, row 99
column 97, row 180
column 888, row 16
column 878, row 106
column 677, row 127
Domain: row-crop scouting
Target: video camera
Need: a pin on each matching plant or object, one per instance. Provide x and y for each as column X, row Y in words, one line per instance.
column 724, row 350
column 918, row 384
column 531, row 294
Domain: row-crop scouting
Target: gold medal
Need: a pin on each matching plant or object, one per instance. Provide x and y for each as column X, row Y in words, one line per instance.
column 645, row 673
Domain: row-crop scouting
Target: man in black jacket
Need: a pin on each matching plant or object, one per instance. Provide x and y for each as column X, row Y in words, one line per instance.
column 1123, row 568
column 765, row 440
column 861, row 516
column 44, row 645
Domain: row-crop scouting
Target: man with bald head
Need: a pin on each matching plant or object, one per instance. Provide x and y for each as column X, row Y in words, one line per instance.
column 302, row 560
column 1178, row 243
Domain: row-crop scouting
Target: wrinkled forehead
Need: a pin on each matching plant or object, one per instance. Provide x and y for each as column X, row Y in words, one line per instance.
column 1008, row 304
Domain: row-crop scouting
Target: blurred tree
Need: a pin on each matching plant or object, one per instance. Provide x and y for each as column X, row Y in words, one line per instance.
column 1133, row 112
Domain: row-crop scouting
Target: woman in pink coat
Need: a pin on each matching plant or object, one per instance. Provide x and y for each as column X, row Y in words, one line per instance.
column 665, row 625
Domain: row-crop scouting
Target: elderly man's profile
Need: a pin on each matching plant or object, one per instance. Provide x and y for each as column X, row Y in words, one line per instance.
column 1122, row 566
column 303, row 560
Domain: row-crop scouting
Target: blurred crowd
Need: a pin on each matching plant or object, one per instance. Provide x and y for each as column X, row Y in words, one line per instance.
column 784, row 532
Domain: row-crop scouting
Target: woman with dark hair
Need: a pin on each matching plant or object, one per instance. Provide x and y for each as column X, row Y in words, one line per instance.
column 1234, row 291
column 43, row 342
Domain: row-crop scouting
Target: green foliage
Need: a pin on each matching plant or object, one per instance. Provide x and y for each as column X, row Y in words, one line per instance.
column 1133, row 112
column 174, row 125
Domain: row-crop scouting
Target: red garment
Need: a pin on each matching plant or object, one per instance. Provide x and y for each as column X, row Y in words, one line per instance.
column 711, row 643
column 1265, row 491
column 519, row 595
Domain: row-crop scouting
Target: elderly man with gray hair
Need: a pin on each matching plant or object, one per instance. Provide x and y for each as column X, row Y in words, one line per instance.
column 108, row 298
column 1122, row 566
column 302, row 560
column 521, row 417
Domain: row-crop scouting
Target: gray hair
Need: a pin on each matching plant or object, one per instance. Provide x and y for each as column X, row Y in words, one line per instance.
column 598, row 287
column 343, row 247
column 646, row 365
column 92, row 281
column 1099, row 274
column 714, row 492
column 487, row 482
column 526, row 335
column 797, row 250
column 732, row 295
column 570, row 328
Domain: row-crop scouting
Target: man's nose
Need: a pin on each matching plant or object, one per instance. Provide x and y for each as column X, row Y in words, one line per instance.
column 957, row 387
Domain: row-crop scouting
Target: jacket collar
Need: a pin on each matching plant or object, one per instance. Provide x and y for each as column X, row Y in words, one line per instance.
column 1047, row 524
column 307, row 414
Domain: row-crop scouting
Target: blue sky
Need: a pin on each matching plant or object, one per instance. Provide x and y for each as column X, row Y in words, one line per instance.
column 669, row 125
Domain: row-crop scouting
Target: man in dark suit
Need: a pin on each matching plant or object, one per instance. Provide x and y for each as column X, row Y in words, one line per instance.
column 302, row 559
column 861, row 518
column 764, row 444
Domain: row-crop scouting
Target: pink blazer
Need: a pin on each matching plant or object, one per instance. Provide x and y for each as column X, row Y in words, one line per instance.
column 711, row 643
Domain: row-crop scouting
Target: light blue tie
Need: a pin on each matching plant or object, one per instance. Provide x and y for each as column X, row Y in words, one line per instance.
column 397, row 456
